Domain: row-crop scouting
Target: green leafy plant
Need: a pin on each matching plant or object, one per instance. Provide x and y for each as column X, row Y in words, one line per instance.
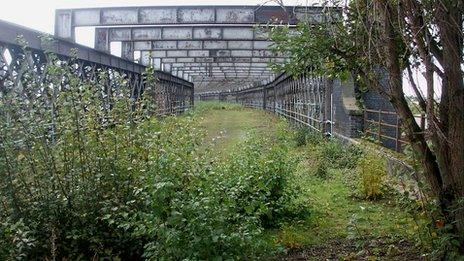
column 372, row 174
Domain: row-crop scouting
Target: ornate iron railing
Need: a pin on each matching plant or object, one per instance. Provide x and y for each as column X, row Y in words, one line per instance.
column 24, row 51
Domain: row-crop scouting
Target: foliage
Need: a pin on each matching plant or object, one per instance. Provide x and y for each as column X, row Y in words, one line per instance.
column 86, row 173
column 372, row 173
column 381, row 42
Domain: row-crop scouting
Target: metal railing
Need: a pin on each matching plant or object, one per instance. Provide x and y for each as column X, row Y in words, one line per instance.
column 173, row 94
column 385, row 128
column 304, row 100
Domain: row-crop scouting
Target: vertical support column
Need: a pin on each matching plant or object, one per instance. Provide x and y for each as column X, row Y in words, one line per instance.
column 264, row 98
column 102, row 42
column 127, row 51
column 64, row 25
column 328, row 107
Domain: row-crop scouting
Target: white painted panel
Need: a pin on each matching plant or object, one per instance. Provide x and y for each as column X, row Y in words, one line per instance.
column 120, row 34
column 146, row 34
column 207, row 33
column 164, row 45
column 240, row 45
column 151, row 15
column 177, row 53
column 189, row 45
column 177, row 33
column 235, row 15
column 145, row 45
column 238, row 33
column 119, row 16
column 198, row 53
column 159, row 54
column 241, row 53
column 215, row 45
column 196, row 15
column 86, row 17
column 262, row 44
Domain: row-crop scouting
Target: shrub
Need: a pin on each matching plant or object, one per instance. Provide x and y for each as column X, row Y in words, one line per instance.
column 84, row 175
column 372, row 173
column 341, row 155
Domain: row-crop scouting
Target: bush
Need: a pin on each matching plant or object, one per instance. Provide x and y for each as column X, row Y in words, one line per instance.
column 372, row 173
column 84, row 175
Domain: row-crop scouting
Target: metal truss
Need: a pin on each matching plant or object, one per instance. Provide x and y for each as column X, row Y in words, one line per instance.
column 19, row 64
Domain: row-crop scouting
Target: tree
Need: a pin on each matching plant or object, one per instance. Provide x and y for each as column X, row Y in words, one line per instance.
column 377, row 37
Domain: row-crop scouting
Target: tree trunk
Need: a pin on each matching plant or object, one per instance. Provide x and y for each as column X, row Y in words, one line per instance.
column 449, row 18
column 396, row 96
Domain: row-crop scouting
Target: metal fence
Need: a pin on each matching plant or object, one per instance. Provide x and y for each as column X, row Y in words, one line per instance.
column 304, row 100
column 173, row 94
column 385, row 128
column 313, row 102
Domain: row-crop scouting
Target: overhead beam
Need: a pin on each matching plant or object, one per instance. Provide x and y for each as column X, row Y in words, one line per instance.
column 66, row 20
column 158, row 33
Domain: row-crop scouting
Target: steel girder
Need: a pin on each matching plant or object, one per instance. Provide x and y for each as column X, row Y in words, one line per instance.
column 88, row 63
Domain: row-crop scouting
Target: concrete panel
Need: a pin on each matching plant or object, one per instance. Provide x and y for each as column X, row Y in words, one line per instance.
column 86, row 17
column 176, row 53
column 221, row 53
column 189, row 45
column 241, row 53
column 119, row 16
column 164, row 45
column 242, row 64
column 120, row 34
column 185, row 60
column 168, row 60
column 196, row 15
column 215, row 45
column 261, row 33
column 261, row 44
column 248, row 45
column 238, row 33
column 158, row 15
column 146, row 33
column 198, row 53
column 235, row 15
column 204, row 60
column 101, row 40
column 177, row 33
column 310, row 17
column 263, row 53
column 145, row 58
column 233, row 60
column 207, row 33
column 142, row 46
column 63, row 27
column 260, row 60
column 167, row 67
column 127, row 50
column 158, row 54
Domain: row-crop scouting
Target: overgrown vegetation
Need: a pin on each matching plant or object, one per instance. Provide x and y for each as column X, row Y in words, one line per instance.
column 85, row 175
column 89, row 175
column 356, row 211
column 381, row 42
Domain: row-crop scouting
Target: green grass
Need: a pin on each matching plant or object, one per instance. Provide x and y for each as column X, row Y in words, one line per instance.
column 336, row 213
column 227, row 125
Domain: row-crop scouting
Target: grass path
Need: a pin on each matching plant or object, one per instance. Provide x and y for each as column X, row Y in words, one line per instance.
column 227, row 127
column 340, row 225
